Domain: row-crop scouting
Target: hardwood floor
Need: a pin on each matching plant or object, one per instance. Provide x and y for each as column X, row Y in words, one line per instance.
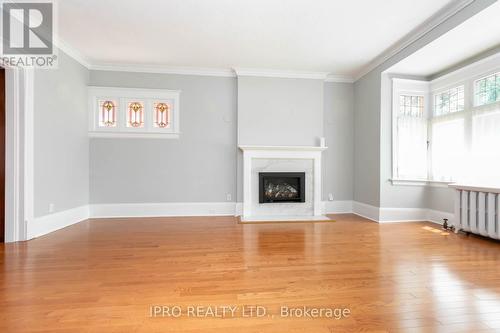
column 104, row 276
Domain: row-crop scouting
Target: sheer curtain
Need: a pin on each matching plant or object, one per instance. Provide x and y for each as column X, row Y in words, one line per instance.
column 465, row 146
column 412, row 146
column 484, row 165
column 448, row 147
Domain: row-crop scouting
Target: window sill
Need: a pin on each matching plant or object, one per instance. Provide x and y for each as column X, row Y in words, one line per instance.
column 130, row 135
column 420, row 182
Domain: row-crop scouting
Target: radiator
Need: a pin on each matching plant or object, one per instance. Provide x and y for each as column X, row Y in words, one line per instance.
column 477, row 210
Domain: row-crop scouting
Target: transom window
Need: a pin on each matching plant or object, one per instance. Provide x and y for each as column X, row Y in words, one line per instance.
column 487, row 90
column 411, row 105
column 449, row 101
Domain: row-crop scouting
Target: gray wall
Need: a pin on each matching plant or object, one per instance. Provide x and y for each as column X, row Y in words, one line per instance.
column 201, row 165
column 198, row 167
column 367, row 139
column 372, row 150
column 393, row 196
column 280, row 112
column 61, row 150
column 338, row 159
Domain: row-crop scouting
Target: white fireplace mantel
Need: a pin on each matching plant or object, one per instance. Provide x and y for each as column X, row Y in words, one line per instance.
column 286, row 148
column 252, row 152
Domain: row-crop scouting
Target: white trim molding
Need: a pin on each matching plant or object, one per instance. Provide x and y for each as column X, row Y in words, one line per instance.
column 338, row 207
column 281, row 148
column 388, row 215
column 218, row 72
column 420, row 182
column 15, row 229
column 367, row 211
column 48, row 223
column 128, row 135
column 52, row 222
column 163, row 209
column 437, row 216
column 392, row 215
column 339, row 78
column 200, row 71
column 197, row 71
column 439, row 18
column 281, row 73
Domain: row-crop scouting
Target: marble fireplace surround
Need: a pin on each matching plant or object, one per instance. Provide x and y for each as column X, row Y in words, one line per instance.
column 281, row 159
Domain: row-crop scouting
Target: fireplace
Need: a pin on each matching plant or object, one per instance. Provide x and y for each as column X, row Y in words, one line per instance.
column 281, row 187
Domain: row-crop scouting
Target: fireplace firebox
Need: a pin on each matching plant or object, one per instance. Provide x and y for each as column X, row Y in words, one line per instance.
column 281, row 187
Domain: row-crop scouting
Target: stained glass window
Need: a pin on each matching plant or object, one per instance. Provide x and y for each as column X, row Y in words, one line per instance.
column 107, row 113
column 135, row 114
column 161, row 115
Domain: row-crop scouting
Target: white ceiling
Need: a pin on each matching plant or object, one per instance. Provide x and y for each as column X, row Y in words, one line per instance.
column 478, row 34
column 339, row 37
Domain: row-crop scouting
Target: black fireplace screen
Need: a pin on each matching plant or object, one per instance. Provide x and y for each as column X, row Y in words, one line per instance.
column 281, row 187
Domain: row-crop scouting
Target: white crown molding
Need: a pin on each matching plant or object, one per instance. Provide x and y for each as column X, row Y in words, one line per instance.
column 339, row 78
column 477, row 68
column 286, row 74
column 428, row 25
column 202, row 71
column 221, row 72
column 71, row 51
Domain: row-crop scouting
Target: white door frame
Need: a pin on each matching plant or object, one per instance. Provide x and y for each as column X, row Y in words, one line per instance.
column 19, row 157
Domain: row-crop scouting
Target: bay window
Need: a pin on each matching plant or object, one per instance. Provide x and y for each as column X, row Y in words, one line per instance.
column 460, row 139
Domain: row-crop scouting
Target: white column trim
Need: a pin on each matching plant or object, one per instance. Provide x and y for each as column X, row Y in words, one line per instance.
column 19, row 152
column 13, row 161
column 29, row 149
column 317, row 203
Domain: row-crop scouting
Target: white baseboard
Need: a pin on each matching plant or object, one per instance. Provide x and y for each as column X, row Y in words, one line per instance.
column 367, row 211
column 163, row 209
column 337, row 207
column 239, row 209
column 437, row 216
column 52, row 222
column 388, row 215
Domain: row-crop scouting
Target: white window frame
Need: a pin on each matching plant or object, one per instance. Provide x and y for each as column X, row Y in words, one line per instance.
column 468, row 102
column 412, row 88
column 125, row 95
column 473, row 89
